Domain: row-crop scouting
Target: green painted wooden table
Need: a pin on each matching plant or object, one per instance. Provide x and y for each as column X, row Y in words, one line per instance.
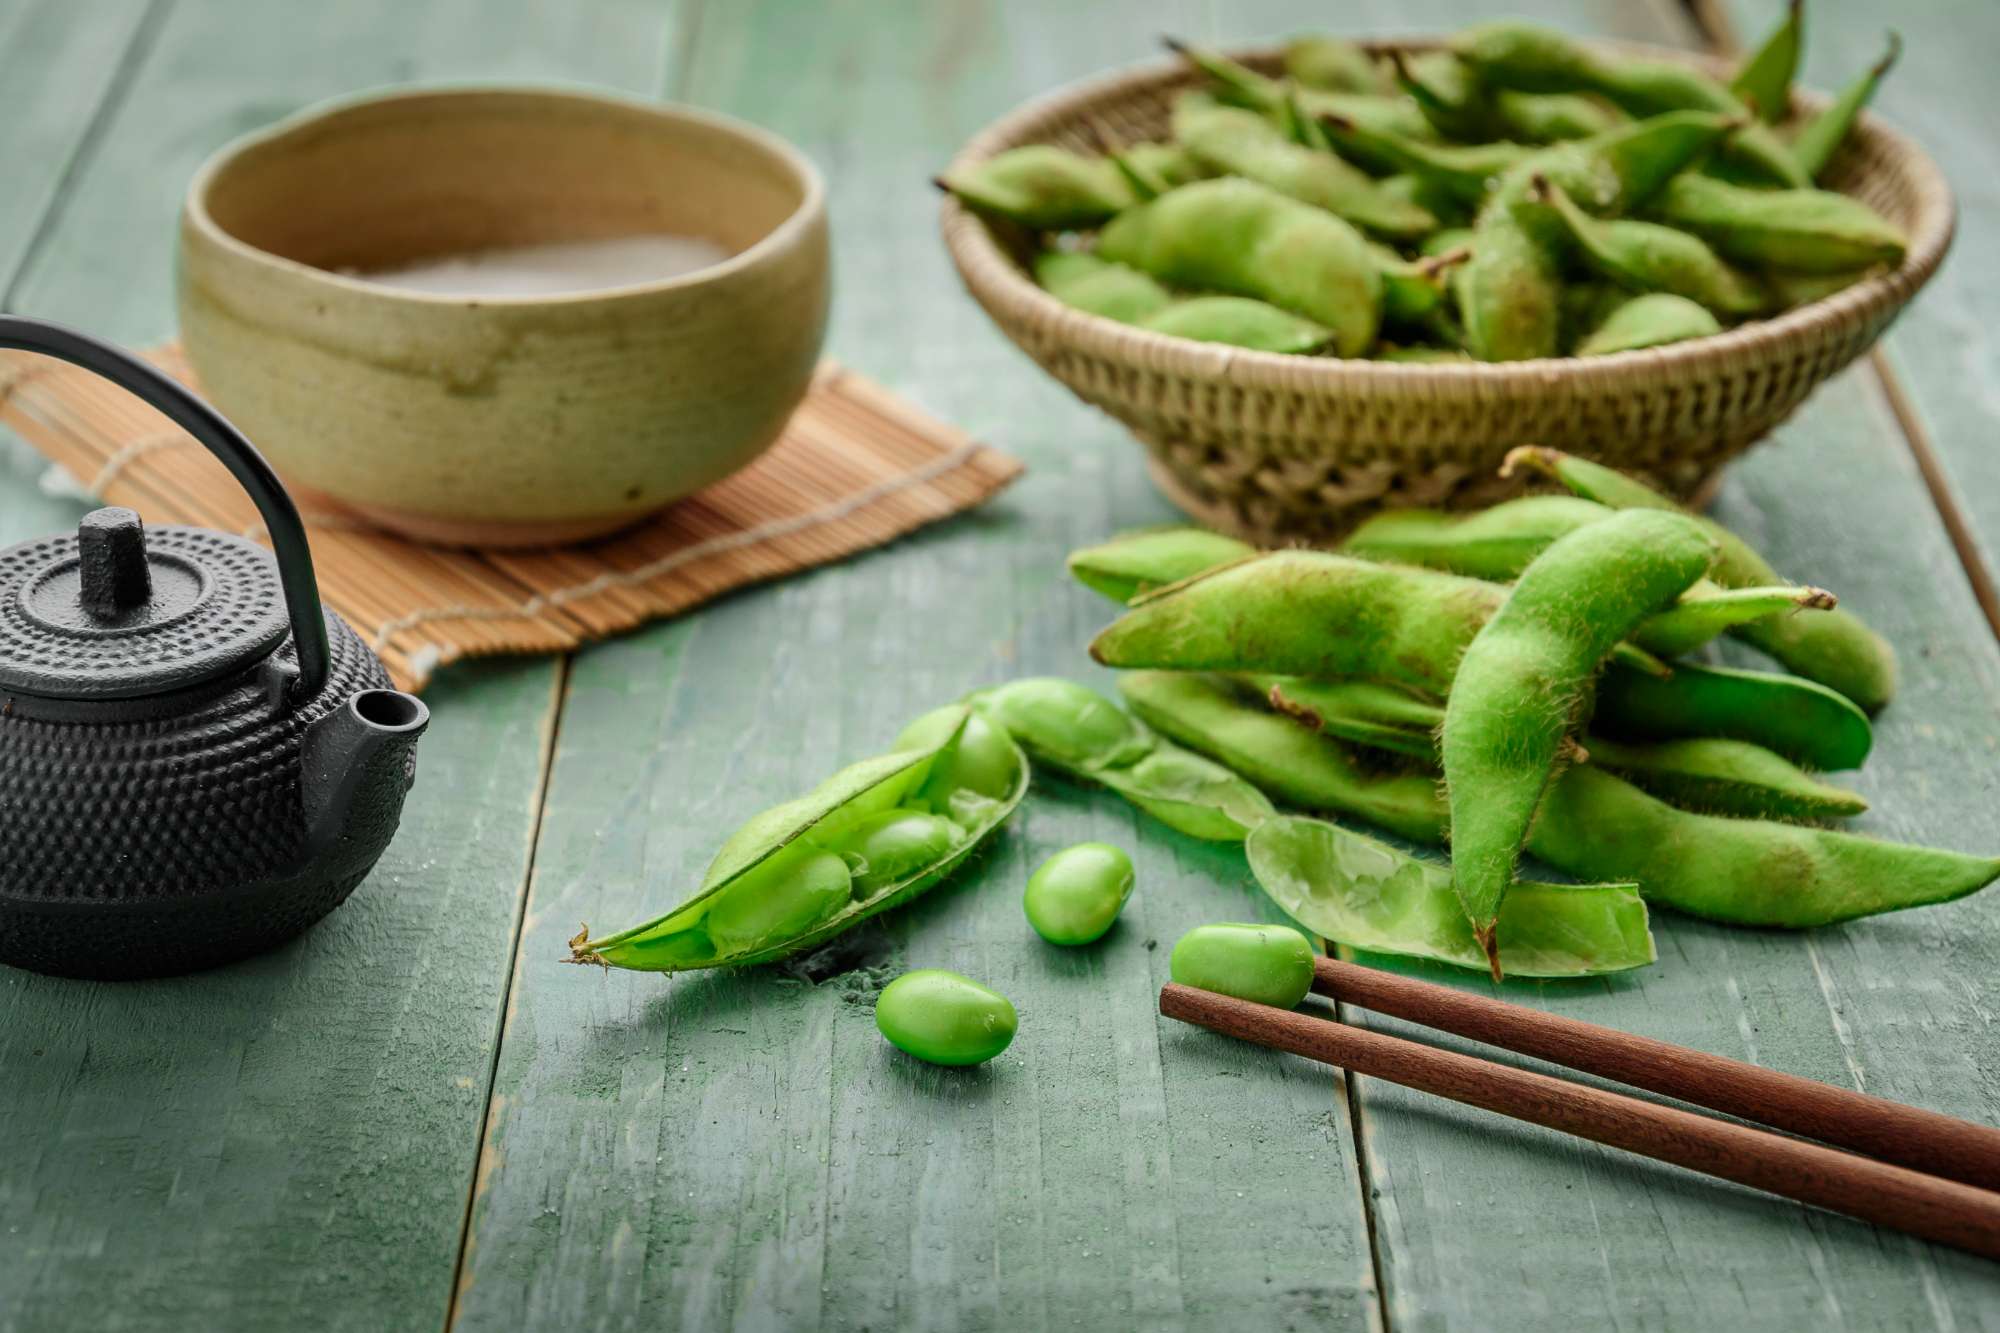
column 415, row 1115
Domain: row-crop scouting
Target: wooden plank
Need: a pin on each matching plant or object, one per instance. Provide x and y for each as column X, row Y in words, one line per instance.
column 1489, row 1224
column 290, row 1141
column 1943, row 353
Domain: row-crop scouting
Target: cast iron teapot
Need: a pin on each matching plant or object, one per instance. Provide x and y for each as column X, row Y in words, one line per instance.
column 197, row 759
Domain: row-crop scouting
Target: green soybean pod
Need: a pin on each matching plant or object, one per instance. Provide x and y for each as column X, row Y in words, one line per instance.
column 1239, row 142
column 787, row 879
column 1707, row 611
column 1463, row 170
column 1043, row 187
column 944, row 1018
column 1333, row 64
column 1725, row 777
column 1075, row 896
column 1509, row 293
column 1414, row 289
column 1825, row 133
column 1262, row 964
column 1099, row 287
column 1650, row 257
column 1220, row 719
column 1613, row 172
column 1654, row 320
column 1764, row 80
column 1138, row 562
column 1076, row 730
column 1238, row 321
column 1495, row 543
column 1800, row 719
column 1354, row 890
column 1791, row 290
column 1524, row 683
column 1243, row 86
column 1244, row 239
column 1834, row 648
column 1360, row 711
column 1803, row 230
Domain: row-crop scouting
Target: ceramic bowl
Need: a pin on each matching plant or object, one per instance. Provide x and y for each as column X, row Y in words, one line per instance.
column 502, row 420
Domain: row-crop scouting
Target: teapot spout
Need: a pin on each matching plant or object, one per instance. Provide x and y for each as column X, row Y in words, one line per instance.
column 356, row 766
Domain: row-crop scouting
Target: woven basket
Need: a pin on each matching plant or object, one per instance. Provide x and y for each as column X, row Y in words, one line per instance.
column 1291, row 448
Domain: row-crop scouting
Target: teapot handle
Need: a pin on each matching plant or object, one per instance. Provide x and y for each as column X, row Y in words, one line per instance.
column 197, row 418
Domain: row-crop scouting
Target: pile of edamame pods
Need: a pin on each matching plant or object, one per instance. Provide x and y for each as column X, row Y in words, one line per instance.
column 1510, row 194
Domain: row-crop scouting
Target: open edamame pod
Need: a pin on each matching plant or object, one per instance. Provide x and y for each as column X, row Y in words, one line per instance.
column 1238, row 237
column 1524, row 683
column 1354, row 890
column 869, row 838
column 1832, row 647
column 1070, row 727
column 1724, row 777
column 1593, row 824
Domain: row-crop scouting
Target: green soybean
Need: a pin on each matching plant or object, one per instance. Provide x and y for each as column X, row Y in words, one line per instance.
column 1043, row 187
column 1725, row 777
column 1075, row 896
column 1099, row 287
column 1649, row 257
column 1238, row 321
column 1262, row 964
column 1804, row 230
column 1534, row 59
column 1524, row 684
column 1354, row 890
column 1076, row 730
column 1333, row 64
column 1825, row 133
column 869, row 838
column 1593, row 825
column 944, row 1018
column 1138, row 562
column 1243, row 143
column 1244, row 239
column 1764, row 80
column 1833, row 647
column 1654, row 320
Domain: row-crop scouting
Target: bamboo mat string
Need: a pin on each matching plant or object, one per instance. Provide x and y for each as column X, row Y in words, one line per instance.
column 856, row 466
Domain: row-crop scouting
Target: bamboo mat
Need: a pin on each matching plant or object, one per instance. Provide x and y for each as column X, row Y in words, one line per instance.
column 856, row 467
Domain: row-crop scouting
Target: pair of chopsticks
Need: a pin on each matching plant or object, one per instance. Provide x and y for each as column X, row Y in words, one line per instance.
column 1895, row 1165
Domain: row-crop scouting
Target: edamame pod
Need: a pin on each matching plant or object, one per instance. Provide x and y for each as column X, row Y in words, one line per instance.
column 1654, row 320
column 1534, row 59
column 1356, row 891
column 1649, row 257
column 1593, row 825
column 1360, row 711
column 1043, row 187
column 1460, row 106
column 1826, row 132
column 1333, row 64
column 1834, row 647
column 869, row 838
column 1510, row 293
column 1066, row 726
column 1099, row 287
column 1075, row 896
column 1724, row 777
column 1494, row 544
column 1706, row 611
column 1138, row 562
column 1800, row 719
column 1764, row 81
column 1238, row 321
column 1262, row 964
column 1238, row 237
column 1524, row 684
column 944, row 1018
column 1242, row 86
column 1614, row 172
column 1807, row 231
column 1464, row 170
column 1242, row 143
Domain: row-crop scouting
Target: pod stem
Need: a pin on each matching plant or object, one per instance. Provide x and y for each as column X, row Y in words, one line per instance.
column 580, row 951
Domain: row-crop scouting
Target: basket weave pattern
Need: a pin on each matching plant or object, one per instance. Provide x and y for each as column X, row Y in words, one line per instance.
column 1287, row 448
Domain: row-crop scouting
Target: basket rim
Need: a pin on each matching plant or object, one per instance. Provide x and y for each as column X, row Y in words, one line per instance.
column 995, row 278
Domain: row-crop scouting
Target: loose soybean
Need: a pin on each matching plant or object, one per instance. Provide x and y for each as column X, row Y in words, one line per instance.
column 944, row 1018
column 1075, row 896
column 1262, row 964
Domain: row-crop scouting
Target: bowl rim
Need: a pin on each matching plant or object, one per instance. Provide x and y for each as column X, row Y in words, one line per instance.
column 786, row 236
column 987, row 269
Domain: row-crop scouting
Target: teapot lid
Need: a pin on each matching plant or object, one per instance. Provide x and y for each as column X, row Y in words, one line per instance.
column 119, row 612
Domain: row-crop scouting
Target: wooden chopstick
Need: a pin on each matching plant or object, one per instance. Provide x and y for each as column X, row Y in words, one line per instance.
column 1940, row 1210
column 1926, row 1141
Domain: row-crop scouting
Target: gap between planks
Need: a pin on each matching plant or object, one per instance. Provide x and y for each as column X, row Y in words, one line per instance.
column 1713, row 25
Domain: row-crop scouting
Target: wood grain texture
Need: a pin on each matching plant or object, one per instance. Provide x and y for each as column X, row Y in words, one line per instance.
column 288, row 1142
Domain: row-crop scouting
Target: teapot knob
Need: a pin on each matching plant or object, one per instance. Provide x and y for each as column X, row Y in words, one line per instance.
column 111, row 545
